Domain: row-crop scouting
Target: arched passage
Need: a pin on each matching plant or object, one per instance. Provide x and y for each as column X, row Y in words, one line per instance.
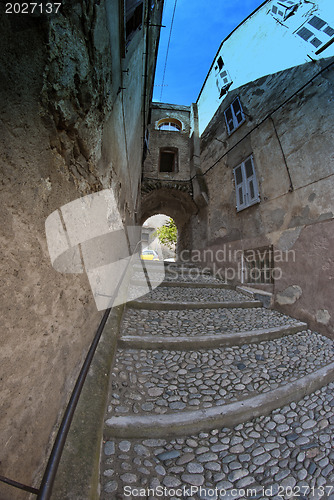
column 176, row 204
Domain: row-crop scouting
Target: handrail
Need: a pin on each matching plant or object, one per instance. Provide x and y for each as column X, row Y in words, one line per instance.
column 45, row 489
column 18, row 485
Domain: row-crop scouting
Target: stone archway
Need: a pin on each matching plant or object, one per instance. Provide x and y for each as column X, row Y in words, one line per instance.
column 174, row 203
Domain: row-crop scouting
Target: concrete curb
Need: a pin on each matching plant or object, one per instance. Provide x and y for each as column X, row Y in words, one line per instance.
column 209, row 341
column 165, row 306
column 229, row 415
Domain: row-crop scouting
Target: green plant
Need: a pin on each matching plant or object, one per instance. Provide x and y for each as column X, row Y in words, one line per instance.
column 167, row 234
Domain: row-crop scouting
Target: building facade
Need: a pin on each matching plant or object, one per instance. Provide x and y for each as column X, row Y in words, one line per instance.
column 261, row 160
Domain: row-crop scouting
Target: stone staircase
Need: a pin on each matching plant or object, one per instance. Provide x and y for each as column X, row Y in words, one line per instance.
column 214, row 396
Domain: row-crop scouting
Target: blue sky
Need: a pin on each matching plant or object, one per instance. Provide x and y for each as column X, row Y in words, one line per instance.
column 199, row 27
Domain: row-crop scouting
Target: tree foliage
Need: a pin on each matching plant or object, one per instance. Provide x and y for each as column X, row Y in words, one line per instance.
column 167, row 234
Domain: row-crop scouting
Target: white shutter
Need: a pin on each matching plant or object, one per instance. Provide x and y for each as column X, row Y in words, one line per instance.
column 252, row 190
column 240, row 187
column 246, row 187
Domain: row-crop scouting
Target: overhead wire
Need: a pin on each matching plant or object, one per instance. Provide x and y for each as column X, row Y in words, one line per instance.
column 168, row 44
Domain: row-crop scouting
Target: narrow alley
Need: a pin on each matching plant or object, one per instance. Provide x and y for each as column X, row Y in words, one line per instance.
column 198, row 369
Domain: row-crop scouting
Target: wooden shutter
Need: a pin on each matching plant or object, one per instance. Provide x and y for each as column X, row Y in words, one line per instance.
column 130, row 7
column 229, row 119
column 240, row 187
column 246, row 187
column 252, row 190
column 237, row 111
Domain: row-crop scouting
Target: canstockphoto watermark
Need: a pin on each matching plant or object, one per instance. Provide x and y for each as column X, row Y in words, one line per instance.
column 88, row 235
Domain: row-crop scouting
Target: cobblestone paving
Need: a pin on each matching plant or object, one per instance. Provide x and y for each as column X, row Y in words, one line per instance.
column 289, row 452
column 200, row 322
column 151, row 381
column 180, row 294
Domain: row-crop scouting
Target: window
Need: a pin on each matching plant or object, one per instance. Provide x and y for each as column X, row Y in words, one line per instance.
column 316, row 22
column 305, row 34
column 247, row 191
column 169, row 124
column 258, row 265
column 234, row 115
column 316, row 31
column 223, row 79
column 133, row 16
column 168, row 160
column 283, row 9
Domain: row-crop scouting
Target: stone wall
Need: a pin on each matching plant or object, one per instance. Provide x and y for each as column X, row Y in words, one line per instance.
column 72, row 123
column 289, row 131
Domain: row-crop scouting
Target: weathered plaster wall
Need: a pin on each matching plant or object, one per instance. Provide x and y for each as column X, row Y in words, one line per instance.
column 67, row 130
column 292, row 144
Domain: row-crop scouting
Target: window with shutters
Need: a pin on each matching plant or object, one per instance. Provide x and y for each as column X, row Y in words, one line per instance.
column 223, row 78
column 246, row 187
column 283, row 9
column 234, row 115
column 317, row 32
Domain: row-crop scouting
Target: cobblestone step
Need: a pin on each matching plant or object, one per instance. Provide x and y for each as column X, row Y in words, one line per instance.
column 288, row 451
column 201, row 322
column 208, row 341
column 175, row 329
column 189, row 294
column 164, row 306
column 168, row 381
column 211, row 390
column 187, row 422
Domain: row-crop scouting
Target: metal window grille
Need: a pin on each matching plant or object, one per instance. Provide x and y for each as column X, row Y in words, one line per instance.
column 258, row 265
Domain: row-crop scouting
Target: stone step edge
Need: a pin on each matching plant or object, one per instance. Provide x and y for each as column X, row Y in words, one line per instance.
column 267, row 298
column 209, row 341
column 185, row 423
column 165, row 306
column 183, row 284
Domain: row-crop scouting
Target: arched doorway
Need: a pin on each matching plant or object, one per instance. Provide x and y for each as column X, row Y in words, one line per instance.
column 173, row 203
column 159, row 238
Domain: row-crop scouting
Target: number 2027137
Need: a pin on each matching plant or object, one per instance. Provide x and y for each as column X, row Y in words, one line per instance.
column 32, row 8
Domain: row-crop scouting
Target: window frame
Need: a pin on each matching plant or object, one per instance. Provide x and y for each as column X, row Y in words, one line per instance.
column 133, row 15
column 172, row 127
column 171, row 121
column 261, row 261
column 246, row 185
column 234, row 118
column 169, row 150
